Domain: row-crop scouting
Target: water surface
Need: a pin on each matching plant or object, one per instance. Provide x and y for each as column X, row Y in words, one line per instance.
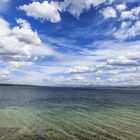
column 41, row 113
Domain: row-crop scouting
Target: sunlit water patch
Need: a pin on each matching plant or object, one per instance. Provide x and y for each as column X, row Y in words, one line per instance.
column 38, row 113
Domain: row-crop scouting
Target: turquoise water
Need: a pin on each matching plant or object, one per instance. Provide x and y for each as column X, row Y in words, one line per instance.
column 39, row 113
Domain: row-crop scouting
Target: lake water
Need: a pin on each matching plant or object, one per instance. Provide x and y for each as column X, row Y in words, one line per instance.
column 41, row 113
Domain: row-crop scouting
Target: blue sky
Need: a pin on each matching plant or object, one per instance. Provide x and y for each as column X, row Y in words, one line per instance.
column 70, row 42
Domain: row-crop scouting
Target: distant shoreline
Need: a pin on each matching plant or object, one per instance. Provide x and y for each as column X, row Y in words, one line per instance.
column 76, row 87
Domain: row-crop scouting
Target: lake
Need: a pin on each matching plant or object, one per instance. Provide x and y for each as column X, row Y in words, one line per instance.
column 43, row 113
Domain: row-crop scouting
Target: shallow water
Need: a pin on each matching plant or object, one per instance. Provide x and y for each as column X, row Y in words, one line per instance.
column 39, row 113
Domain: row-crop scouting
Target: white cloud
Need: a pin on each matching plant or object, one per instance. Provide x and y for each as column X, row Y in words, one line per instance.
column 128, row 31
column 125, row 25
column 24, row 33
column 78, row 78
column 122, row 61
column 121, row 7
column 125, row 79
column 44, row 11
column 78, row 69
column 131, row 14
column 51, row 11
column 109, row 12
column 20, row 42
column 128, row 15
column 77, row 7
column 110, row 60
column 20, row 47
column 4, row 72
column 19, row 64
column 129, row 23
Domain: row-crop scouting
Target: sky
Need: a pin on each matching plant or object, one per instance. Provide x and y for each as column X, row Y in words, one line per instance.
column 70, row 42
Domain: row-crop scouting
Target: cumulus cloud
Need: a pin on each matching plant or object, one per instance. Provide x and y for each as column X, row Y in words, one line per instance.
column 51, row 11
column 24, row 33
column 109, row 12
column 79, row 6
column 20, row 46
column 131, row 14
column 44, row 11
column 129, row 22
column 20, row 42
column 121, row 7
column 128, row 30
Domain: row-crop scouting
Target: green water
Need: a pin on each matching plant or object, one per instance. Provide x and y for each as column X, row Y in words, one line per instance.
column 69, row 115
